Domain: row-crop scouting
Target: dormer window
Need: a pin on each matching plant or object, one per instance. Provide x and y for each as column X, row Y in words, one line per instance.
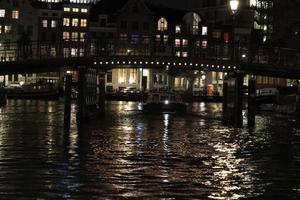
column 135, row 9
column 162, row 24
column 178, row 29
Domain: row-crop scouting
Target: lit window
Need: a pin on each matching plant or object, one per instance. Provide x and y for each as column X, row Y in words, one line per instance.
column 216, row 34
column 177, row 42
column 66, row 22
column 7, row 29
column 74, row 52
column 196, row 21
column 74, row 36
column 53, row 23
column 66, row 36
column 184, row 42
column 15, row 14
column 162, row 24
column 226, row 37
column 166, row 38
column 123, row 37
column 2, row 13
column 84, row 10
column 0, row 29
column 158, row 38
column 179, row 82
column 53, row 51
column 82, row 37
column 184, row 54
column 177, row 54
column 45, row 23
column 178, row 29
column 83, row 22
column 66, row 52
column 204, row 30
column 75, row 10
column 81, row 52
column 66, row 9
column 75, row 22
column 204, row 44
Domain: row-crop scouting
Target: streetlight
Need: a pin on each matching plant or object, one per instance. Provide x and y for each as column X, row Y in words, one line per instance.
column 234, row 5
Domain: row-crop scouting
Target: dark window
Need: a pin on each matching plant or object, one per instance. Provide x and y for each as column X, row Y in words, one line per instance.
column 103, row 22
column 109, row 88
column 7, row 43
column 16, row 78
column 109, row 77
column 53, row 36
column 134, row 39
column 20, row 29
column 43, row 36
column 30, row 30
column 9, row 77
column 110, row 35
column 146, row 26
column 123, row 24
column 135, row 9
column 15, row 3
column 135, row 26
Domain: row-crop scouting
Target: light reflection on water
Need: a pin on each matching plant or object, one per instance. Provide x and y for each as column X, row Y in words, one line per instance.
column 157, row 156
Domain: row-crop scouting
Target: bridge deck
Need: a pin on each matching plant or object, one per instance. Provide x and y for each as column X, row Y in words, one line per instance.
column 154, row 62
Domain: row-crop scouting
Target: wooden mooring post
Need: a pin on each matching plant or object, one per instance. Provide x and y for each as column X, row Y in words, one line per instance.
column 233, row 99
column 67, row 98
column 81, row 97
column 251, row 102
column 101, row 95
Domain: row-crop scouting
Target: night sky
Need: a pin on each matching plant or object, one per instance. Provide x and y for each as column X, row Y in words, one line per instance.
column 180, row 3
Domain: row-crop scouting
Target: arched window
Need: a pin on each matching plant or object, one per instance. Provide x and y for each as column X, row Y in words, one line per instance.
column 192, row 21
column 162, row 24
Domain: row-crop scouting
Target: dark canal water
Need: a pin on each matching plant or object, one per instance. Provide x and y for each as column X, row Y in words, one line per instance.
column 145, row 156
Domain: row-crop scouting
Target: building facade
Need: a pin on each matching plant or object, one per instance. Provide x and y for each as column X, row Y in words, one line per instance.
column 49, row 27
column 18, row 25
column 70, row 28
column 142, row 28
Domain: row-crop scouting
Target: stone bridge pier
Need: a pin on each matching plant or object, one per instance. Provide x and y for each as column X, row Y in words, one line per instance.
column 91, row 93
column 233, row 96
column 90, row 96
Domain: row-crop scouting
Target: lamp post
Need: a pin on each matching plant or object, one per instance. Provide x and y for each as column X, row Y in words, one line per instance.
column 234, row 5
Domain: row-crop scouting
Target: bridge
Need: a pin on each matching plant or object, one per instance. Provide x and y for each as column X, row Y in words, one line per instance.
column 92, row 58
column 38, row 57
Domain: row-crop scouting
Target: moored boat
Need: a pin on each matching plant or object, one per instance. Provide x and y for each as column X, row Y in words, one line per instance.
column 165, row 102
column 33, row 91
column 266, row 99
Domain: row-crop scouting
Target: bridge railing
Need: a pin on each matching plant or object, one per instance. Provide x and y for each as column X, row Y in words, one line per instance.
column 16, row 51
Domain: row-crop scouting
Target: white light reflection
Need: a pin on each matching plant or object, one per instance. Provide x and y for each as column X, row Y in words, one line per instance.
column 140, row 106
column 225, row 169
column 165, row 138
